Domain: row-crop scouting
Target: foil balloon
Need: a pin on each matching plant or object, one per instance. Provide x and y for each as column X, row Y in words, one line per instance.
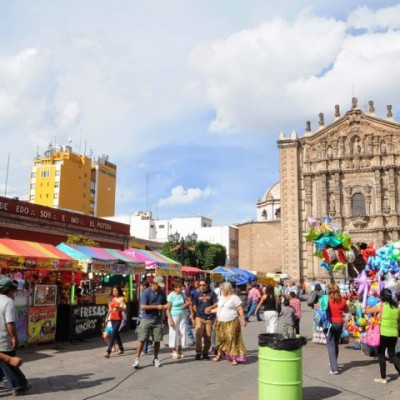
column 361, row 282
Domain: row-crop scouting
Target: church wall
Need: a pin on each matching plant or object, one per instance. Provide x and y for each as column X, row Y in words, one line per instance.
column 260, row 246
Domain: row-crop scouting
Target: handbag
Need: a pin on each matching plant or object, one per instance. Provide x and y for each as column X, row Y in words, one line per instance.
column 373, row 336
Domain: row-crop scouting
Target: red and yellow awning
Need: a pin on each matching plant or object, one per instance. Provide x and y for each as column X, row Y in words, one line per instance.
column 29, row 255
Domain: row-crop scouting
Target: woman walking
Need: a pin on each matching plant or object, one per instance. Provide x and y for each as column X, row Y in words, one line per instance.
column 271, row 309
column 177, row 304
column 390, row 324
column 229, row 335
column 115, row 309
column 337, row 305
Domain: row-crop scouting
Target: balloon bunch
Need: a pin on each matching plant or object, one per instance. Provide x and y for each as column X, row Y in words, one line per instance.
column 385, row 260
column 332, row 245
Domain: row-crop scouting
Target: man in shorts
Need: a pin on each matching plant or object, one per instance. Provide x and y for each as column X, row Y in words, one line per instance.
column 153, row 302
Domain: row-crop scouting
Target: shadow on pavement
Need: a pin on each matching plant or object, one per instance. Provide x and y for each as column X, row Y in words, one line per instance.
column 355, row 364
column 319, row 393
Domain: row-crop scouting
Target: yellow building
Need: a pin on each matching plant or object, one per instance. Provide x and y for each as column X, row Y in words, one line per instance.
column 66, row 180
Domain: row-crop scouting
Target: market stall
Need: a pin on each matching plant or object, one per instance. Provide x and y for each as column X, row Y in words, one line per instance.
column 84, row 314
column 39, row 269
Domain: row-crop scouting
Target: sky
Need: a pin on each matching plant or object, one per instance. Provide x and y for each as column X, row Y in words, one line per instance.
column 186, row 97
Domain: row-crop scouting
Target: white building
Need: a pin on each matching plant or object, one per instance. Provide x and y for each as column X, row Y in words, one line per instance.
column 143, row 226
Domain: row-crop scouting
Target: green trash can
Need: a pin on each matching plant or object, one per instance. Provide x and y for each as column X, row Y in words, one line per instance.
column 280, row 367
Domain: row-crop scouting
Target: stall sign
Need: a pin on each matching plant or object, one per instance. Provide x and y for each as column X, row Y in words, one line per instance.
column 87, row 320
column 138, row 270
column 45, row 295
column 120, row 269
column 102, row 268
column 42, row 324
column 217, row 277
column 167, row 272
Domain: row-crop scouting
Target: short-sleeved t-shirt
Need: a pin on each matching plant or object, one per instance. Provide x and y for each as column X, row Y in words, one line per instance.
column 8, row 314
column 177, row 302
column 227, row 308
column 151, row 298
column 389, row 320
column 203, row 300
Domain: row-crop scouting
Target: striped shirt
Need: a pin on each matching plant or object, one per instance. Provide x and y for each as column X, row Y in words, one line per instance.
column 295, row 303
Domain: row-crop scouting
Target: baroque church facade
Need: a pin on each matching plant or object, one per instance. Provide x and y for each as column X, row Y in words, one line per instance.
column 348, row 170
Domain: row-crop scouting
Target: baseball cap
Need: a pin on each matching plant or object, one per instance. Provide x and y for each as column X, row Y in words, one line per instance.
column 7, row 284
column 160, row 281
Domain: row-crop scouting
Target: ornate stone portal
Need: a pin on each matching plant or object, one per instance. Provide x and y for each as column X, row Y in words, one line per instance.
column 348, row 170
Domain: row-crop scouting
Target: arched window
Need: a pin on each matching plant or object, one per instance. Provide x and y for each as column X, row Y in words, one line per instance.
column 358, row 205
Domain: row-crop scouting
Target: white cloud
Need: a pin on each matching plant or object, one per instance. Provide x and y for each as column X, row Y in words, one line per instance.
column 365, row 18
column 69, row 116
column 179, row 196
column 246, row 74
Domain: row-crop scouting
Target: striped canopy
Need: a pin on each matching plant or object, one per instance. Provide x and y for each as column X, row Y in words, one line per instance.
column 98, row 259
column 154, row 260
column 25, row 254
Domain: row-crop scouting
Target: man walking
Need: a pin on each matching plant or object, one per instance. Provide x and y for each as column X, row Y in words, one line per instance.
column 152, row 303
column 253, row 298
column 8, row 337
column 203, row 299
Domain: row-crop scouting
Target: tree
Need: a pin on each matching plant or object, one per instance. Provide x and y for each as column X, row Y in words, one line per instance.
column 82, row 240
column 200, row 254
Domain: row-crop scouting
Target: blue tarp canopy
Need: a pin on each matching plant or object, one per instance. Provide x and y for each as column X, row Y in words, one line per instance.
column 237, row 275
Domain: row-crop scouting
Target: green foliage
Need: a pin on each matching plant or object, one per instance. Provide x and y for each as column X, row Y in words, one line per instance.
column 82, row 240
column 199, row 254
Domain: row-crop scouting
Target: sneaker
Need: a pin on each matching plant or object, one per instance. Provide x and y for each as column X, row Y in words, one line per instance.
column 380, row 380
column 206, row 357
column 181, row 355
column 156, row 362
column 198, row 357
column 334, row 372
column 175, row 355
column 136, row 364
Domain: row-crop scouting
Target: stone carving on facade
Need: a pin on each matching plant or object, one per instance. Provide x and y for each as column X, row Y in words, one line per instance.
column 352, row 160
column 386, row 204
column 389, row 111
column 371, row 106
column 332, row 205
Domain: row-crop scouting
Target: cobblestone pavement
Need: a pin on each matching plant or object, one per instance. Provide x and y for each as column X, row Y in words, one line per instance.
column 79, row 371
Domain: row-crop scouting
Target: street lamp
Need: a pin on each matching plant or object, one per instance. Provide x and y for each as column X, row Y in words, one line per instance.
column 175, row 238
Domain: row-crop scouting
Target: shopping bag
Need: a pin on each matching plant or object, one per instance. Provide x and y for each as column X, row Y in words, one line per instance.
column 373, row 336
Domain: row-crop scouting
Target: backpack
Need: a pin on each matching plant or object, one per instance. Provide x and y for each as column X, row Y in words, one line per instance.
column 321, row 314
column 321, row 318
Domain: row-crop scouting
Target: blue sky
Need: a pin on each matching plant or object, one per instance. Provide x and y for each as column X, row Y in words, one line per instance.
column 187, row 97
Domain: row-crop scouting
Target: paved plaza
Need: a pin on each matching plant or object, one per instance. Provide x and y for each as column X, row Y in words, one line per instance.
column 79, row 371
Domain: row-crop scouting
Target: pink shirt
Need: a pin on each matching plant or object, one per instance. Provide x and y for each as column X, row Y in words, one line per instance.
column 254, row 294
column 295, row 303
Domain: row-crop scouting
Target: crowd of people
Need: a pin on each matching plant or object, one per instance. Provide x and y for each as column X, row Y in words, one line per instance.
column 216, row 315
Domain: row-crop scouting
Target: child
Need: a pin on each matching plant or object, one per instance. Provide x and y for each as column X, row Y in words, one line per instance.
column 107, row 333
column 287, row 315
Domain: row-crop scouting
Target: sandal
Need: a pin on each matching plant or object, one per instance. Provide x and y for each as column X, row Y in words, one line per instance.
column 234, row 362
column 106, row 355
column 217, row 358
column 119, row 353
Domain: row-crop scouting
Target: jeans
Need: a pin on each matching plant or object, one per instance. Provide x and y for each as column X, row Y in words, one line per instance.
column 332, row 342
column 252, row 309
column 188, row 325
column 115, row 337
column 177, row 337
column 14, row 375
